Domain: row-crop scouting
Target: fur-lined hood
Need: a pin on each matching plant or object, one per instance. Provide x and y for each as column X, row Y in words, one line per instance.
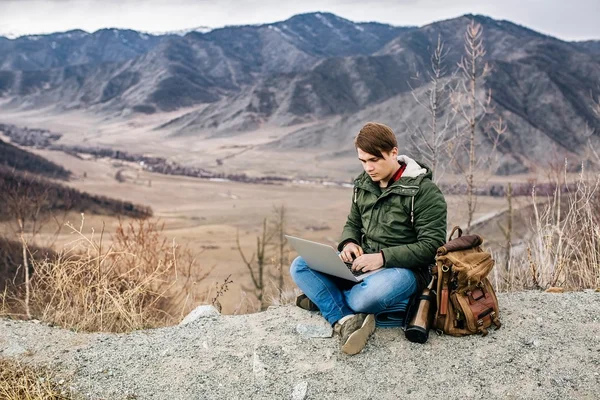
column 410, row 180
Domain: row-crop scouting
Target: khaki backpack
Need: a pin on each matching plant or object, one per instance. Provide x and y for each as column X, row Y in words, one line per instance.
column 466, row 301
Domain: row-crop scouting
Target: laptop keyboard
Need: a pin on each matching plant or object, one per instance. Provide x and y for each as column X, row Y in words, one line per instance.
column 355, row 273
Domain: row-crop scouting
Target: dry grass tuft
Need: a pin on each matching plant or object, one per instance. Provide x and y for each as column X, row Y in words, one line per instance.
column 139, row 281
column 563, row 250
column 19, row 382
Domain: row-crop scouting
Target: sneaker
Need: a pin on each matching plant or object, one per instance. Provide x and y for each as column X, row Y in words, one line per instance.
column 355, row 332
column 305, row 303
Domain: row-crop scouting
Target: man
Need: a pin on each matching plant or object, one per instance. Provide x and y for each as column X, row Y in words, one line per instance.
column 396, row 223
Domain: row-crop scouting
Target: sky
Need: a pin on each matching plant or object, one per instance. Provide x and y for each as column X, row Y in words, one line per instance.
column 567, row 20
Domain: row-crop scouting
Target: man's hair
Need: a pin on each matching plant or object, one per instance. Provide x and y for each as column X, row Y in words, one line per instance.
column 375, row 138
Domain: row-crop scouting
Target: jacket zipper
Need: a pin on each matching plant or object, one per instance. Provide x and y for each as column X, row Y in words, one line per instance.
column 408, row 187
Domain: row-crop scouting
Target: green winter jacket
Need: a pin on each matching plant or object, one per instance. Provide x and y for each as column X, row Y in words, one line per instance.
column 406, row 220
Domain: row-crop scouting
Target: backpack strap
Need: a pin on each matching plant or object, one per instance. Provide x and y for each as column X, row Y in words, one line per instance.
column 444, row 295
column 455, row 229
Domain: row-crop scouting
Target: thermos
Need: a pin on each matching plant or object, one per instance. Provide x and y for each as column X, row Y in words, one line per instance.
column 417, row 330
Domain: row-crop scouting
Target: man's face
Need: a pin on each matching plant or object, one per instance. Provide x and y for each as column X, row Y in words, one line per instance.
column 379, row 168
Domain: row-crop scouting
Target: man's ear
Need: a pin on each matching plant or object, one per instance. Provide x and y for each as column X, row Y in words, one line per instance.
column 394, row 152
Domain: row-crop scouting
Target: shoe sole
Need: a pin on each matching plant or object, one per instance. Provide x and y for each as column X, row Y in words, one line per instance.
column 306, row 304
column 358, row 339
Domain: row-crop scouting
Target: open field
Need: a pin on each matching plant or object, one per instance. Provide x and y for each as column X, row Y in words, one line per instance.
column 138, row 134
column 230, row 154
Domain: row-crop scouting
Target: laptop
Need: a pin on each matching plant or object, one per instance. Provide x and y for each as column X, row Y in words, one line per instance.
column 325, row 259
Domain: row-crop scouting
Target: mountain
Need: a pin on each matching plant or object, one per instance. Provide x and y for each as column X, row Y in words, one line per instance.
column 319, row 72
column 327, row 35
column 540, row 86
column 77, row 47
column 170, row 72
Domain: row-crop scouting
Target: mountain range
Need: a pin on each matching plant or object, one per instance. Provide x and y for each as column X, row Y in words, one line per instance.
column 318, row 75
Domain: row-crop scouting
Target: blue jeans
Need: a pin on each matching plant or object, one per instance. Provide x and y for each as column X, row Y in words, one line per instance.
column 338, row 297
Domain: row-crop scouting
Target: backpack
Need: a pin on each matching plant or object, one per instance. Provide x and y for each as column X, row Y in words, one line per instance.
column 466, row 301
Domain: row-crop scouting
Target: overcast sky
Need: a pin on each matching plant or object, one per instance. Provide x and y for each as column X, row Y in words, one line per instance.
column 566, row 19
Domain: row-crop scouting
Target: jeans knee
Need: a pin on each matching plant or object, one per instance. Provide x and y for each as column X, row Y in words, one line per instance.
column 361, row 303
column 382, row 290
column 297, row 265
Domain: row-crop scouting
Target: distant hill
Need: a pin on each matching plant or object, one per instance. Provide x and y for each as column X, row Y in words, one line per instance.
column 14, row 157
column 56, row 197
column 23, row 179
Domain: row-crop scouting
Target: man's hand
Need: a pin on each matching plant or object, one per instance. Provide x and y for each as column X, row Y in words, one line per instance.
column 349, row 250
column 368, row 262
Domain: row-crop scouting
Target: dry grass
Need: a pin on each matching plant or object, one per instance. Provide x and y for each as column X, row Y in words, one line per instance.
column 563, row 248
column 19, row 382
column 138, row 281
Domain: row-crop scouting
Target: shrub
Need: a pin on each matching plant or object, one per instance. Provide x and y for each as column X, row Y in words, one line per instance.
column 139, row 281
column 563, row 248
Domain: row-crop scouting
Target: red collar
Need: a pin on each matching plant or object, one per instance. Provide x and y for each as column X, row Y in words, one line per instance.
column 398, row 174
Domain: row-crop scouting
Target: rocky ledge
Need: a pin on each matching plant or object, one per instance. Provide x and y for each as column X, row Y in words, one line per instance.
column 548, row 348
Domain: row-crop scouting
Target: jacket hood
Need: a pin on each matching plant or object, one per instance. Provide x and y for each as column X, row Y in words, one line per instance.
column 413, row 174
column 413, row 168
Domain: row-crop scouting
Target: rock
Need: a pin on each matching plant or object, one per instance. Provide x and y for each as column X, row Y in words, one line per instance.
column 200, row 312
column 315, row 330
column 300, row 391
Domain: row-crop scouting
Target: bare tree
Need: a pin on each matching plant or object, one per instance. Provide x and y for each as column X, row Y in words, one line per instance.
column 278, row 229
column 257, row 262
column 433, row 143
column 472, row 110
column 266, row 265
column 25, row 198
column 508, row 230
column 591, row 140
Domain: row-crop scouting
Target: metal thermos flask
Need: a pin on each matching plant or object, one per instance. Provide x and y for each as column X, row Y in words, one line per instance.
column 417, row 329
